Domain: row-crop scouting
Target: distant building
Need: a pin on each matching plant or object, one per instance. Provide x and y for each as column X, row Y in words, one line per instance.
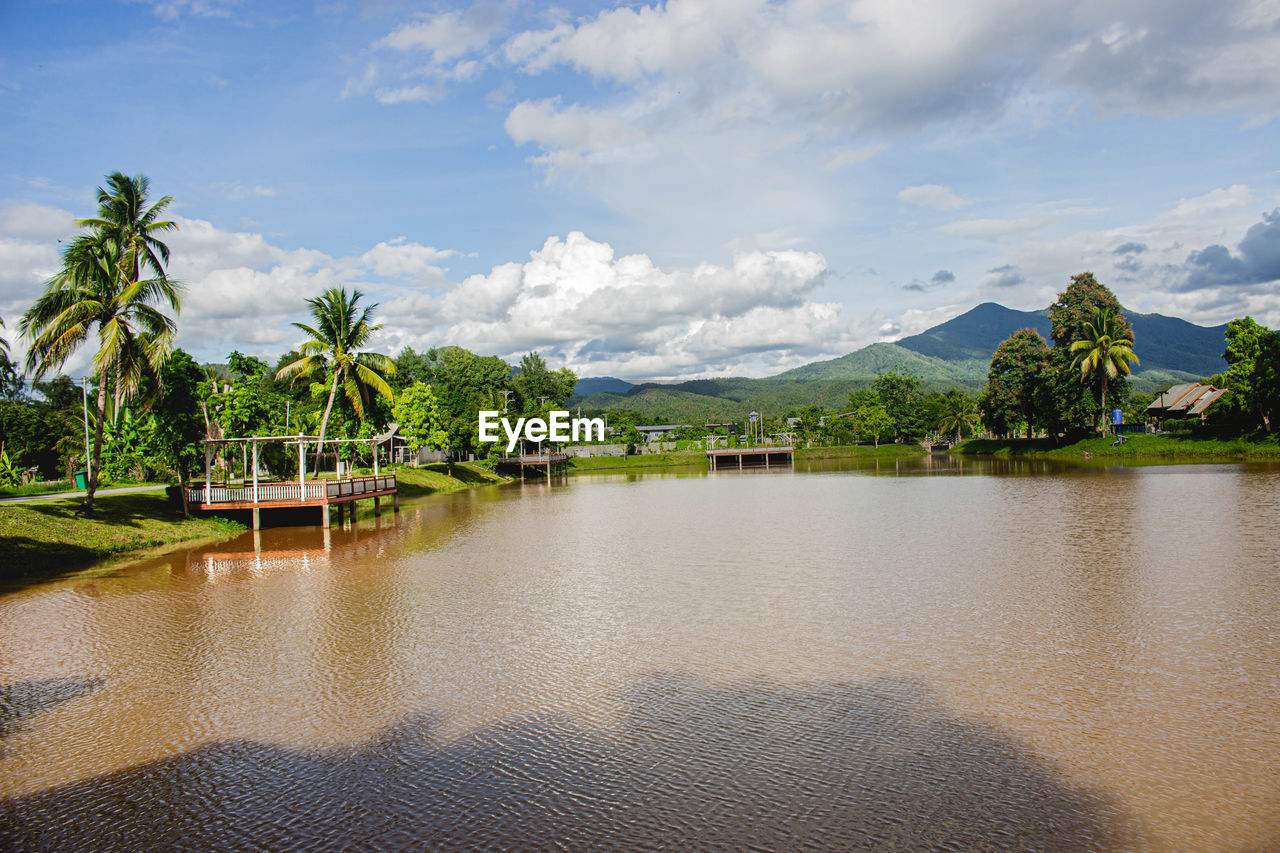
column 657, row 432
column 1189, row 400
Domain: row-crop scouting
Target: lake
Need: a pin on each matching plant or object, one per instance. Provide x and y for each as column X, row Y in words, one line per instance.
column 927, row 654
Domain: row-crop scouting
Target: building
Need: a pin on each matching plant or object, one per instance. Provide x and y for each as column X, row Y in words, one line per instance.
column 1189, row 400
column 657, row 432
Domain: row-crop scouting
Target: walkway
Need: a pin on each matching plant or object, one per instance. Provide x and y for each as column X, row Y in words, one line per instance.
column 122, row 490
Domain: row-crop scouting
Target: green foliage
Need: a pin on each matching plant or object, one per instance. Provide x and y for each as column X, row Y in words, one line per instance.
column 1076, row 405
column 959, row 413
column 1104, row 353
column 418, row 413
column 341, row 330
column 1253, row 374
column 872, row 420
column 10, row 476
column 103, row 285
column 463, row 383
column 900, row 395
column 1016, row 390
column 535, row 382
column 179, row 425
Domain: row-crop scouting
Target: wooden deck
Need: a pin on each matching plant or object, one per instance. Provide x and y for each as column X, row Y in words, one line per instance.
column 768, row 456
column 279, row 494
column 539, row 463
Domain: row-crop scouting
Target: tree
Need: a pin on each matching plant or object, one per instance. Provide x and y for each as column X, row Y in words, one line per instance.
column 1246, row 348
column 179, row 425
column 1104, row 353
column 418, row 414
column 959, row 412
column 341, row 330
column 873, row 419
column 1015, row 390
column 1074, row 407
column 535, row 381
column 899, row 394
column 101, row 285
column 10, row 379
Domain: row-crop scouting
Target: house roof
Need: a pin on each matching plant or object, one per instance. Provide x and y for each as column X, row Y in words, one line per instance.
column 1190, row 398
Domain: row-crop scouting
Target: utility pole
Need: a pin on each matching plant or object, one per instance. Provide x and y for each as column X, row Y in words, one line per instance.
column 88, row 462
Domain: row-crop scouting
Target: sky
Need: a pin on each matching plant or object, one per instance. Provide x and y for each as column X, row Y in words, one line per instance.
column 652, row 191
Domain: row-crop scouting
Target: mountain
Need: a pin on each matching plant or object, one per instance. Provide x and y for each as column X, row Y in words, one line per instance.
column 959, row 350
column 589, row 385
column 956, row 353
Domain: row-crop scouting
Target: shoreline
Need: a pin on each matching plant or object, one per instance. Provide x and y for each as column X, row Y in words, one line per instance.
column 1136, row 449
column 48, row 539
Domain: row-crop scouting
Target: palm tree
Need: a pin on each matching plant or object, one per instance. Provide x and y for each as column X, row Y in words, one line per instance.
column 101, row 284
column 1104, row 351
column 341, row 329
column 959, row 411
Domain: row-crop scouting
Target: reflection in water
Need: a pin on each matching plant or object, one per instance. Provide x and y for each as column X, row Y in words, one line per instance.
column 880, row 765
column 1035, row 657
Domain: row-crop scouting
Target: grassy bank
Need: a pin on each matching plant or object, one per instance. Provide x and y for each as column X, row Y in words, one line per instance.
column 436, row 479
column 643, row 460
column 1138, row 447
column 699, row 457
column 860, row 451
column 44, row 537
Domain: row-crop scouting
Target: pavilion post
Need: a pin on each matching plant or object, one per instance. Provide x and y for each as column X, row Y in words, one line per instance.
column 375, row 459
column 302, row 470
column 255, row 474
column 208, row 476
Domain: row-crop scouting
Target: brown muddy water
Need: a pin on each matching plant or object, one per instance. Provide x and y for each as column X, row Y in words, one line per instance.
column 928, row 655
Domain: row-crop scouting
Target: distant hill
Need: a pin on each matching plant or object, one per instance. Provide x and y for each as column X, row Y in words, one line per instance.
column 959, row 350
column 956, row 353
column 589, row 385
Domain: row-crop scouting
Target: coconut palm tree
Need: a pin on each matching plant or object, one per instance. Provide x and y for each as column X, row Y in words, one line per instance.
column 341, row 329
column 1104, row 351
column 101, row 285
column 959, row 411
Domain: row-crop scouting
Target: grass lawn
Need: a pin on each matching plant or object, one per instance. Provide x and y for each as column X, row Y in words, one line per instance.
column 41, row 537
column 435, row 479
column 1137, row 448
column 55, row 486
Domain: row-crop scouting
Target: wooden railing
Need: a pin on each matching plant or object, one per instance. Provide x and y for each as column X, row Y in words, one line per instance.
column 276, row 492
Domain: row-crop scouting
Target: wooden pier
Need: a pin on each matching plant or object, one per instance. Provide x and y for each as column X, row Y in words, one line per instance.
column 538, row 463
column 259, row 495
column 766, row 456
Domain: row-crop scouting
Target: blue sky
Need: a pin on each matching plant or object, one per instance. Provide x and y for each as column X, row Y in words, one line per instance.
column 695, row 188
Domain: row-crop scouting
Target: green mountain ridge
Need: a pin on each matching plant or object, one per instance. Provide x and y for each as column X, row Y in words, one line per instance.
column 956, row 353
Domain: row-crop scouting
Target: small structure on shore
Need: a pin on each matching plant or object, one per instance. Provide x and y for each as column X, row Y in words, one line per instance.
column 255, row 493
column 1189, row 400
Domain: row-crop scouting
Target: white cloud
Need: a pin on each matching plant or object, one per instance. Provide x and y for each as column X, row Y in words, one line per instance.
column 574, row 299
column 935, row 196
column 581, row 305
column 399, row 258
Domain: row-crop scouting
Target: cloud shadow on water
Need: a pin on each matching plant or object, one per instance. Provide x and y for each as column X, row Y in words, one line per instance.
column 880, row 765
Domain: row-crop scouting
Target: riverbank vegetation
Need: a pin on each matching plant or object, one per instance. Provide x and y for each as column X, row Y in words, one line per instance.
column 148, row 407
column 1136, row 448
column 45, row 537
column 41, row 538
